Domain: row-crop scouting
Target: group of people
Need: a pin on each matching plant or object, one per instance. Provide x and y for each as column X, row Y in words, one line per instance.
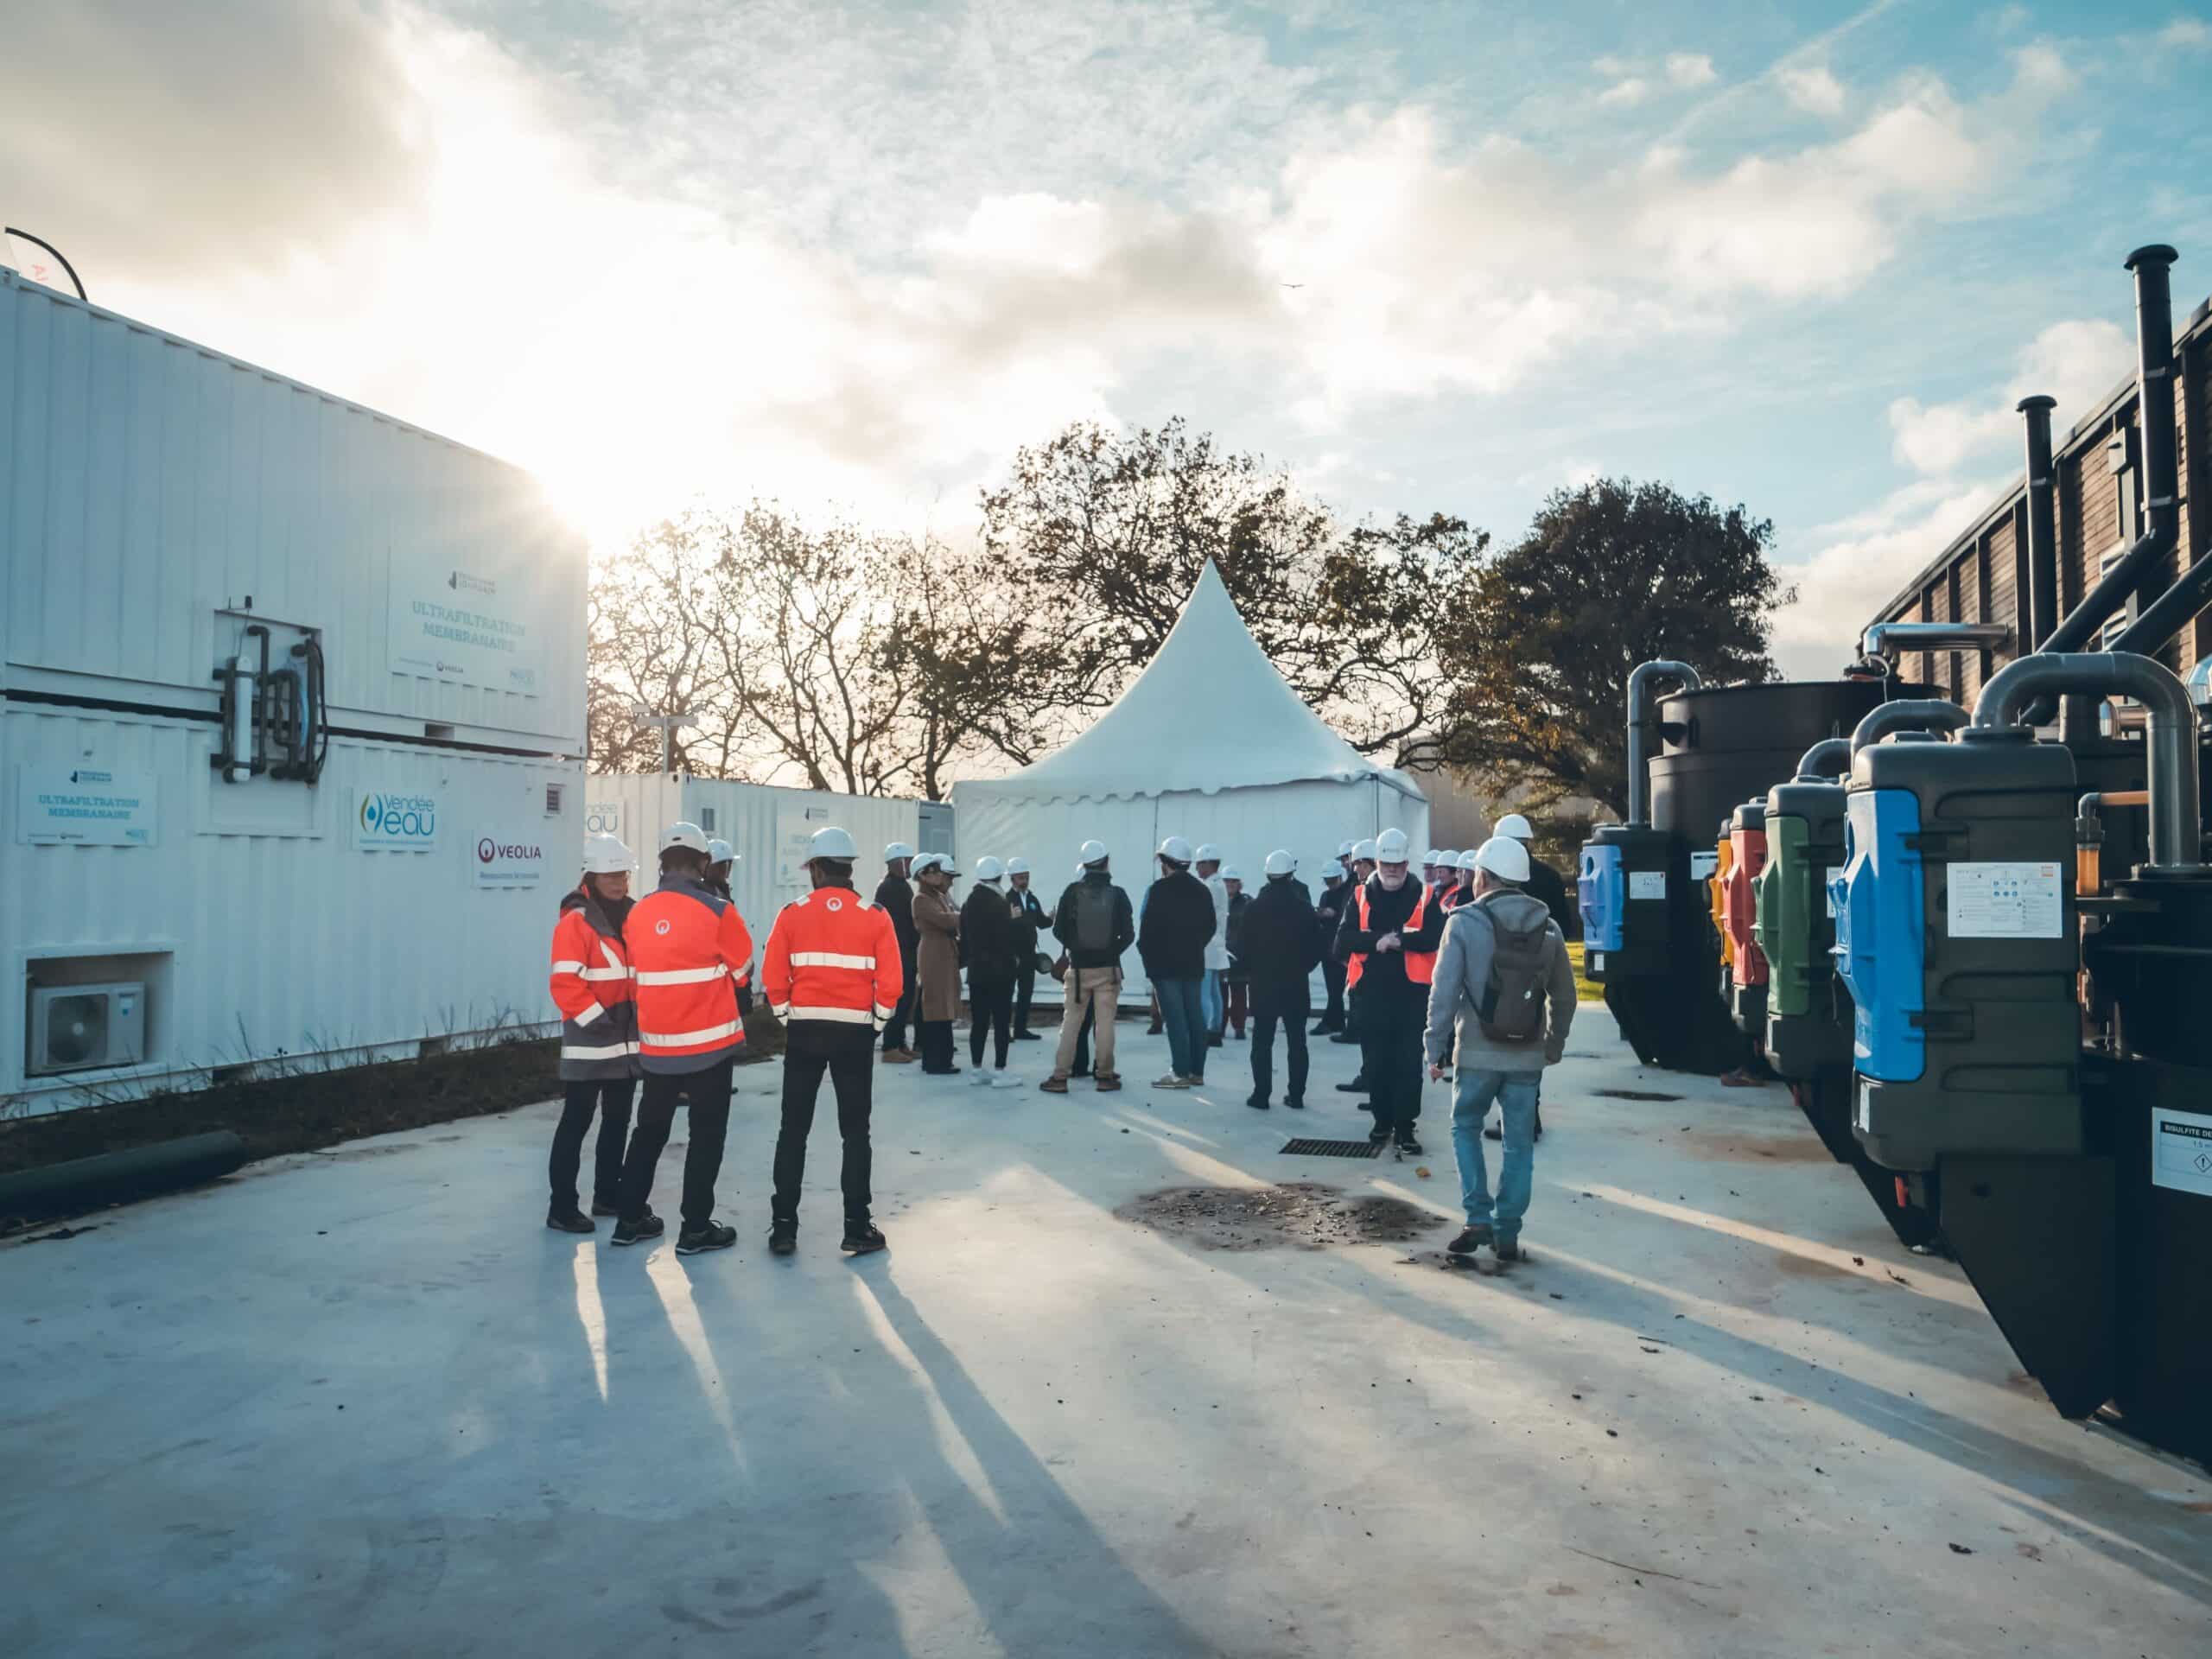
column 1462, row 967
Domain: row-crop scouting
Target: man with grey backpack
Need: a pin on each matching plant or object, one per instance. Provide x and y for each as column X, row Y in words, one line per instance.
column 1499, row 1009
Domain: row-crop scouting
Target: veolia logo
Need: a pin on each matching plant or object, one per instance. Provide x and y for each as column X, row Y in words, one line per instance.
column 660, row 927
column 489, row 851
column 399, row 819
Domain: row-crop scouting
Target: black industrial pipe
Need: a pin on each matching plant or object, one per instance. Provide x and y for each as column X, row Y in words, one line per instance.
column 1907, row 714
column 2040, row 615
column 1829, row 758
column 1640, row 699
column 118, row 1177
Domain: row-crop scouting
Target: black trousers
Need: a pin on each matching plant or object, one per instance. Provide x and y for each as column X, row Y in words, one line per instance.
column 1391, row 1017
column 1332, row 976
column 894, row 1028
column 610, row 1097
column 848, row 1054
column 707, row 1091
column 937, row 1044
column 1025, row 990
column 1270, row 1004
column 1083, row 1038
column 990, row 1008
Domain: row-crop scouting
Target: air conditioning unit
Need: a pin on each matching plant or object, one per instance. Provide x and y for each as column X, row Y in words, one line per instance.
column 81, row 1028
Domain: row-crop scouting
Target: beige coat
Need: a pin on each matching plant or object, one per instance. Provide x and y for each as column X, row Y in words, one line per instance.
column 937, row 957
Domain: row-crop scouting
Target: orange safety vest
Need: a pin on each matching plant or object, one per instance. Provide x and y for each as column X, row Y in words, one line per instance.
column 591, row 985
column 833, row 956
column 1421, row 965
column 692, row 951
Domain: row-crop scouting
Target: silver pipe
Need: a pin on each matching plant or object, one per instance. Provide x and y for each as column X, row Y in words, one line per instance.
column 1932, row 636
column 1828, row 757
column 2176, row 821
column 1639, row 716
column 1907, row 714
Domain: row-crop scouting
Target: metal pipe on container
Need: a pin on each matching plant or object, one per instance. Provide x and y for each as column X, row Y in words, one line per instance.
column 1880, row 638
column 1828, row 757
column 2176, row 820
column 1907, row 714
column 1640, row 682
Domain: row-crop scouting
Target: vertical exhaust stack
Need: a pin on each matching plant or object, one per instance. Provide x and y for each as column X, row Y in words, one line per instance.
column 1640, row 710
column 2042, row 615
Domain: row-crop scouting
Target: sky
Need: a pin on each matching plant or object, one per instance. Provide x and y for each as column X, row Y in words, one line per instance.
column 1431, row 257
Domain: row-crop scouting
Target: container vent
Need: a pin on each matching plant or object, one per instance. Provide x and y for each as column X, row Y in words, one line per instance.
column 555, row 795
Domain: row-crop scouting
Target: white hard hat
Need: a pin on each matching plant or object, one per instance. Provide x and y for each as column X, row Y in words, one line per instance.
column 1232, row 874
column 1363, row 849
column 831, row 842
column 897, row 849
column 1468, row 860
column 1280, row 862
column 1391, row 846
column 929, row 862
column 989, row 869
column 1093, row 851
column 1448, row 857
column 721, row 852
column 1514, row 825
column 1207, row 853
column 1432, row 857
column 606, row 856
column 1502, row 855
column 1344, row 849
column 1331, row 870
column 682, row 833
column 1017, row 866
column 1176, row 849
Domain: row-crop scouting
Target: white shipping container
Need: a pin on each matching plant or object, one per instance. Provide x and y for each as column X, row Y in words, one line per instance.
column 767, row 826
column 157, row 497
column 409, row 897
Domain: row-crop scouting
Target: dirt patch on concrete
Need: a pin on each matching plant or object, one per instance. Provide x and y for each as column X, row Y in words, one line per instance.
column 1791, row 1265
column 1742, row 1148
column 1295, row 1215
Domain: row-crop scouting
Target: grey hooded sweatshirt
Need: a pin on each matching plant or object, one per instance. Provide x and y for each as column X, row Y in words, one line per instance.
column 1462, row 970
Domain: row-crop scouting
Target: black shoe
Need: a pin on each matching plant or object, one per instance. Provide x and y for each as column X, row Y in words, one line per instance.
column 605, row 1207
column 1379, row 1135
column 1295, row 1104
column 1540, row 1126
column 862, row 1238
column 1508, row 1250
column 569, row 1221
column 1257, row 1102
column 646, row 1226
column 940, row 1071
column 783, row 1238
column 1212, row 1041
column 1028, row 1037
column 1493, row 1132
column 1357, row 1086
column 1343, row 1037
column 1468, row 1242
column 1408, row 1143
column 707, row 1236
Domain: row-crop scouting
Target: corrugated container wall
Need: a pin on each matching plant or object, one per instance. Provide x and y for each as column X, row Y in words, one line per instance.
column 768, row 827
column 158, row 498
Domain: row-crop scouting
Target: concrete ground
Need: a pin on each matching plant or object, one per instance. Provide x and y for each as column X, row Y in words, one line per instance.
column 361, row 1402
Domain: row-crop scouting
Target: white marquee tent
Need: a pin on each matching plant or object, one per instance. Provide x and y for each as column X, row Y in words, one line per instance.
column 1209, row 742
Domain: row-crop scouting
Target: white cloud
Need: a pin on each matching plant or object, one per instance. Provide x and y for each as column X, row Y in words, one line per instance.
column 1690, row 69
column 1814, row 89
column 2077, row 362
column 2186, row 34
column 1625, row 93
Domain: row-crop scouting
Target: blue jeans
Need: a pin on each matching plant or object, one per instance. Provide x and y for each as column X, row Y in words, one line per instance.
column 1515, row 1095
column 1181, row 1013
column 1212, row 1005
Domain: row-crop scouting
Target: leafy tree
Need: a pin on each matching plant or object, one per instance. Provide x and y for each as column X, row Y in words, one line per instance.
column 1099, row 535
column 1610, row 575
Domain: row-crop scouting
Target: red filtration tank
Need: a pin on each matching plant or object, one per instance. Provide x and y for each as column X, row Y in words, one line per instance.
column 1738, row 899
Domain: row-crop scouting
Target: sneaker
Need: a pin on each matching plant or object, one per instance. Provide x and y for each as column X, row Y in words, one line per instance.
column 1006, row 1080
column 1257, row 1102
column 979, row 1079
column 1379, row 1135
column 1407, row 1143
column 898, row 1056
column 1469, row 1241
column 646, row 1226
column 1195, row 1081
column 783, row 1238
column 1295, row 1104
column 605, row 1207
column 862, row 1238
column 1170, row 1081
column 1510, row 1250
column 1028, row 1037
column 1109, row 1084
column 1153, row 1031
column 707, row 1235
column 569, row 1221
column 1054, row 1085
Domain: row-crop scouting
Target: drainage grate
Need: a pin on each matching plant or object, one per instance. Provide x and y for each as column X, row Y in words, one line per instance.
column 1330, row 1148
column 1632, row 1094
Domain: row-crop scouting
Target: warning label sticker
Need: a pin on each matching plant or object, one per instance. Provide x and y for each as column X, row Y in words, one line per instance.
column 2004, row 901
column 2181, row 1151
column 1702, row 865
column 1647, row 884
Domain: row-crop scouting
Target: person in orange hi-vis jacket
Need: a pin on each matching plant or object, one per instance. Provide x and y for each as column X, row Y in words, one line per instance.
column 691, row 951
column 590, row 982
column 832, row 974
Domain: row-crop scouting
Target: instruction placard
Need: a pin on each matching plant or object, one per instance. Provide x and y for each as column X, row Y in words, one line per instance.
column 2002, row 901
column 2181, row 1151
column 84, row 807
column 1702, row 865
column 1647, row 884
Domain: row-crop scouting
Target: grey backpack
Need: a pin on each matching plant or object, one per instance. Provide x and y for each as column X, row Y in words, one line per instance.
column 1511, row 1007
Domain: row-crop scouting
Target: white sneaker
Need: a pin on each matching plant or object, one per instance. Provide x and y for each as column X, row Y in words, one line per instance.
column 1170, row 1081
column 1006, row 1080
column 978, row 1078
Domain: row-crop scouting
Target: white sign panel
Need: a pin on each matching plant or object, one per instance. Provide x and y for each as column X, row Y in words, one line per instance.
column 507, row 861
column 603, row 817
column 1647, row 884
column 795, row 828
column 85, row 806
column 1999, row 900
column 2181, row 1151
column 465, row 626
column 394, row 820
column 1702, row 865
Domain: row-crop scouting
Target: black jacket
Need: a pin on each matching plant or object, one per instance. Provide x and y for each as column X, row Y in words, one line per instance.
column 1065, row 919
column 1329, row 910
column 1238, row 974
column 1177, row 922
column 1386, row 912
column 894, row 895
column 987, row 938
column 1547, row 888
column 1280, row 936
column 1029, row 920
